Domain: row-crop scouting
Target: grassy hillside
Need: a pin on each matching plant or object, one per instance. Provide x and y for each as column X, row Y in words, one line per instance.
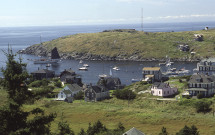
column 147, row 115
column 138, row 44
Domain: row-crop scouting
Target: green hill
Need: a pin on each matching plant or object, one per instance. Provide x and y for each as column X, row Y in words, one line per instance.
column 134, row 45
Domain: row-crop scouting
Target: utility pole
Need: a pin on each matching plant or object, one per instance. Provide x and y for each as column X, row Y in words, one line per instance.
column 142, row 19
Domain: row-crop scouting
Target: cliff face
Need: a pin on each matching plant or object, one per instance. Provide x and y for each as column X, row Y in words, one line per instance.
column 129, row 45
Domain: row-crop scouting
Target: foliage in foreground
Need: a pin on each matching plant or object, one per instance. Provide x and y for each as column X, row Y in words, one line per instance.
column 13, row 120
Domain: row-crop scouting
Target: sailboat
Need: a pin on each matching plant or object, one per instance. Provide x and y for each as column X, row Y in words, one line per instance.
column 54, row 58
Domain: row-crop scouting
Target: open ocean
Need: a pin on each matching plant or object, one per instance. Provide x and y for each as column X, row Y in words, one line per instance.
column 22, row 37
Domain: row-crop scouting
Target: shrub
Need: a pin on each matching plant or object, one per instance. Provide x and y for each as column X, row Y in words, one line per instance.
column 200, row 96
column 79, row 96
column 36, row 83
column 125, row 94
column 202, row 106
column 188, row 131
column 58, row 84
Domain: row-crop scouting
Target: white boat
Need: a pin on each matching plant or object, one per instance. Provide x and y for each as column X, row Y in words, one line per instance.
column 135, row 80
column 103, row 75
column 168, row 73
column 183, row 71
column 116, row 68
column 83, row 68
column 85, row 65
column 48, row 65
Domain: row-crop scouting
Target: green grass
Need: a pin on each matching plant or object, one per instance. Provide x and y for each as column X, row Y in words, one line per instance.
column 148, row 116
column 143, row 44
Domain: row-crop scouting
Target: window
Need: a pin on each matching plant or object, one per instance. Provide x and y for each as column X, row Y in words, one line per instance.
column 159, row 92
column 62, row 96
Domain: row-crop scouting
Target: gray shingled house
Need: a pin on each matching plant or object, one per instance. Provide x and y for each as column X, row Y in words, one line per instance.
column 96, row 93
column 43, row 73
column 200, row 83
column 111, row 83
column 69, row 76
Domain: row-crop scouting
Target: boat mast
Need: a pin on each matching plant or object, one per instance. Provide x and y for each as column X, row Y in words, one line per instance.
column 41, row 39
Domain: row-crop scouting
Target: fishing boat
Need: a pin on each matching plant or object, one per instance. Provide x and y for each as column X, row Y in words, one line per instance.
column 116, row 68
column 83, row 68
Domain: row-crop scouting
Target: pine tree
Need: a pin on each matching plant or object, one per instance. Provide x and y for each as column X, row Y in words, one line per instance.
column 13, row 120
column 82, row 132
column 65, row 129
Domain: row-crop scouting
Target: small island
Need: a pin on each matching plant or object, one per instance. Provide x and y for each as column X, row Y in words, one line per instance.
column 131, row 45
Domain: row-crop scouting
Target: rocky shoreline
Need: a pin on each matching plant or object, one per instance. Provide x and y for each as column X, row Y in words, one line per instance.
column 40, row 50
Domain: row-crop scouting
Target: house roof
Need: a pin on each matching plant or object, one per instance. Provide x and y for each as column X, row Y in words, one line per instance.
column 201, row 78
column 67, row 92
column 160, row 85
column 67, row 71
column 99, row 89
column 133, row 131
column 74, row 87
column 152, row 68
column 109, row 82
column 43, row 71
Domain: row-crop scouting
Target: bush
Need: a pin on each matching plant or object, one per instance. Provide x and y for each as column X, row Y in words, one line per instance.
column 58, row 84
column 79, row 96
column 200, row 96
column 35, row 84
column 188, row 131
column 125, row 94
column 44, row 91
column 203, row 106
column 39, row 83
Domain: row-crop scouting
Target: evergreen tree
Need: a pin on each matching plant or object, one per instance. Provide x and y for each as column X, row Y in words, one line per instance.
column 65, row 129
column 188, row 131
column 13, row 120
column 98, row 127
column 82, row 132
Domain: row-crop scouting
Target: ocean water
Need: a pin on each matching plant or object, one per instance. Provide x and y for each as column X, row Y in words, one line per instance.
column 22, row 37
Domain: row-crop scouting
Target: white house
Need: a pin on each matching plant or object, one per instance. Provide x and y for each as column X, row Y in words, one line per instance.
column 68, row 91
column 162, row 89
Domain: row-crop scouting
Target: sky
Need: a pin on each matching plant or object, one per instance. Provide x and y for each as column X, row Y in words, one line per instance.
column 91, row 12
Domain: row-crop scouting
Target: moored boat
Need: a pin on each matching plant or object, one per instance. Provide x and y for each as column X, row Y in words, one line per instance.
column 116, row 68
column 83, row 68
